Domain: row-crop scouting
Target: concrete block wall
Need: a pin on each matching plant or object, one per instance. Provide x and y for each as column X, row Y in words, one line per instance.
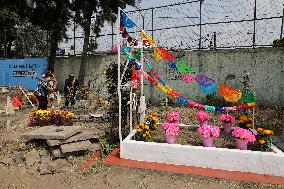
column 265, row 65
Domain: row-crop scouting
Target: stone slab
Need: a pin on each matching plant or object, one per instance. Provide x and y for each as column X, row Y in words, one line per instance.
column 56, row 152
column 94, row 147
column 75, row 146
column 52, row 132
column 84, row 135
column 96, row 115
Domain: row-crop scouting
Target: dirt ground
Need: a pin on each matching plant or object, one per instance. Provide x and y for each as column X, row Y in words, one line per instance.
column 98, row 175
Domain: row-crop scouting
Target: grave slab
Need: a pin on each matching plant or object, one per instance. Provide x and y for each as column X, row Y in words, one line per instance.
column 76, row 146
column 52, row 132
column 84, row 135
column 56, row 152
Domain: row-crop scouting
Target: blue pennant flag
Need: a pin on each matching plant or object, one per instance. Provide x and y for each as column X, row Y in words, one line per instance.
column 124, row 20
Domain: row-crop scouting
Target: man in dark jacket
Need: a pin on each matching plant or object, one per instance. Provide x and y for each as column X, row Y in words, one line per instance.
column 70, row 89
column 43, row 90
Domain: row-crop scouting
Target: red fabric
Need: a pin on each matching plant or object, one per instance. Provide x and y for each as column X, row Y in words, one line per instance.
column 16, row 102
column 135, row 79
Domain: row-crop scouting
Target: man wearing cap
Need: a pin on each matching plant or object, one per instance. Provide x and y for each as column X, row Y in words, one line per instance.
column 70, row 89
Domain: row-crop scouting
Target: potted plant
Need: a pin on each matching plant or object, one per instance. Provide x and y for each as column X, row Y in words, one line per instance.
column 264, row 139
column 171, row 129
column 227, row 121
column 245, row 122
column 243, row 136
column 202, row 117
column 208, row 132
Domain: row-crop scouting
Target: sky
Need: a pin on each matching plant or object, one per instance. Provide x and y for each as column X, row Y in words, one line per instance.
column 227, row 34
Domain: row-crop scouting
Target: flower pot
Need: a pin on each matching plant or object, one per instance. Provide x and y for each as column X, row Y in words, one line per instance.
column 203, row 122
column 227, row 127
column 241, row 144
column 170, row 139
column 207, row 142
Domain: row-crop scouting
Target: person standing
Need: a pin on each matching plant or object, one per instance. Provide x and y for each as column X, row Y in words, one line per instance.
column 43, row 90
column 70, row 90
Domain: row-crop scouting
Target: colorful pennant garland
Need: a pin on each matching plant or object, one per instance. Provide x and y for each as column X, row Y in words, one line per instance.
column 147, row 41
column 125, row 21
column 183, row 67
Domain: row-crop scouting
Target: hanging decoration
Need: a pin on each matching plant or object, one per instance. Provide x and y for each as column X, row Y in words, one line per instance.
column 135, row 79
column 211, row 89
column 203, row 80
column 230, row 94
column 187, row 78
column 157, row 56
column 183, row 67
column 147, row 41
column 248, row 97
column 165, row 54
column 114, row 49
column 125, row 21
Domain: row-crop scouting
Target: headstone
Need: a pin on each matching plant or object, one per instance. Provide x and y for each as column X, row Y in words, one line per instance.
column 76, row 146
column 52, row 132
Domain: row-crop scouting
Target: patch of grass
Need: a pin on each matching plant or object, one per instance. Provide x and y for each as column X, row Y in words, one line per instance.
column 105, row 148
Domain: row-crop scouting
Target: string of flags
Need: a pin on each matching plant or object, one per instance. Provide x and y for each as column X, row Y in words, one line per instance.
column 206, row 84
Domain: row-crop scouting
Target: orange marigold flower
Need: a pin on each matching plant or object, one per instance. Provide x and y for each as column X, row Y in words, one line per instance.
column 261, row 141
column 259, row 130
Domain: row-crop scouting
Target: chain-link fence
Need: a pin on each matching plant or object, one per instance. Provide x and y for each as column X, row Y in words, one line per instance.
column 200, row 24
column 195, row 24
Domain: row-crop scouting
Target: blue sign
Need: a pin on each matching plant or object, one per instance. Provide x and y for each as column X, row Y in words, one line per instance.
column 23, row 72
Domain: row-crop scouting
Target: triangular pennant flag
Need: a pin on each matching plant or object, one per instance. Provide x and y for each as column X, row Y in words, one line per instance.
column 157, row 57
column 146, row 39
column 165, row 54
column 124, row 20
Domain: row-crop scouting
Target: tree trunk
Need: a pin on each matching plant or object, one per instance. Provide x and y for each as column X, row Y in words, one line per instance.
column 82, row 70
column 52, row 51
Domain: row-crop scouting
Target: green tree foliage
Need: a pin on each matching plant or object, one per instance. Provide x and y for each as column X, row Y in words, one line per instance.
column 101, row 10
column 12, row 14
column 52, row 16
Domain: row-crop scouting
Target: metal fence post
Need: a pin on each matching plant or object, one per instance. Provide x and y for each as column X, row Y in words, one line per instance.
column 254, row 20
column 200, row 31
column 281, row 34
column 153, row 23
column 74, row 37
column 112, row 34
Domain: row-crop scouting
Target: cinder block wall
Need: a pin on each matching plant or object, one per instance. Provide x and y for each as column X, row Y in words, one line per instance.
column 265, row 65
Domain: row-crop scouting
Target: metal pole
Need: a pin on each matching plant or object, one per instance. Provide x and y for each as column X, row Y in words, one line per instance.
column 214, row 39
column 112, row 34
column 254, row 20
column 200, row 33
column 74, row 37
column 143, row 22
column 152, row 23
column 5, row 38
column 281, row 34
column 118, row 77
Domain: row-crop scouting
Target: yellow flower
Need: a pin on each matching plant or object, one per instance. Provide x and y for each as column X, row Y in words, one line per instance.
column 141, row 124
column 146, row 127
column 248, row 125
column 250, row 119
column 137, row 127
column 267, row 132
column 139, row 130
column 259, row 130
column 261, row 141
column 144, row 135
column 241, row 121
column 244, row 118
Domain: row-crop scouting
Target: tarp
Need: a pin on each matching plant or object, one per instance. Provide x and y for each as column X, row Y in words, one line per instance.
column 23, row 72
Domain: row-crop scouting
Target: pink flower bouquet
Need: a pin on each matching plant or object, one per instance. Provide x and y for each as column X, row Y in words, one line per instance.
column 171, row 128
column 201, row 116
column 173, row 117
column 227, row 118
column 208, row 131
column 243, row 134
